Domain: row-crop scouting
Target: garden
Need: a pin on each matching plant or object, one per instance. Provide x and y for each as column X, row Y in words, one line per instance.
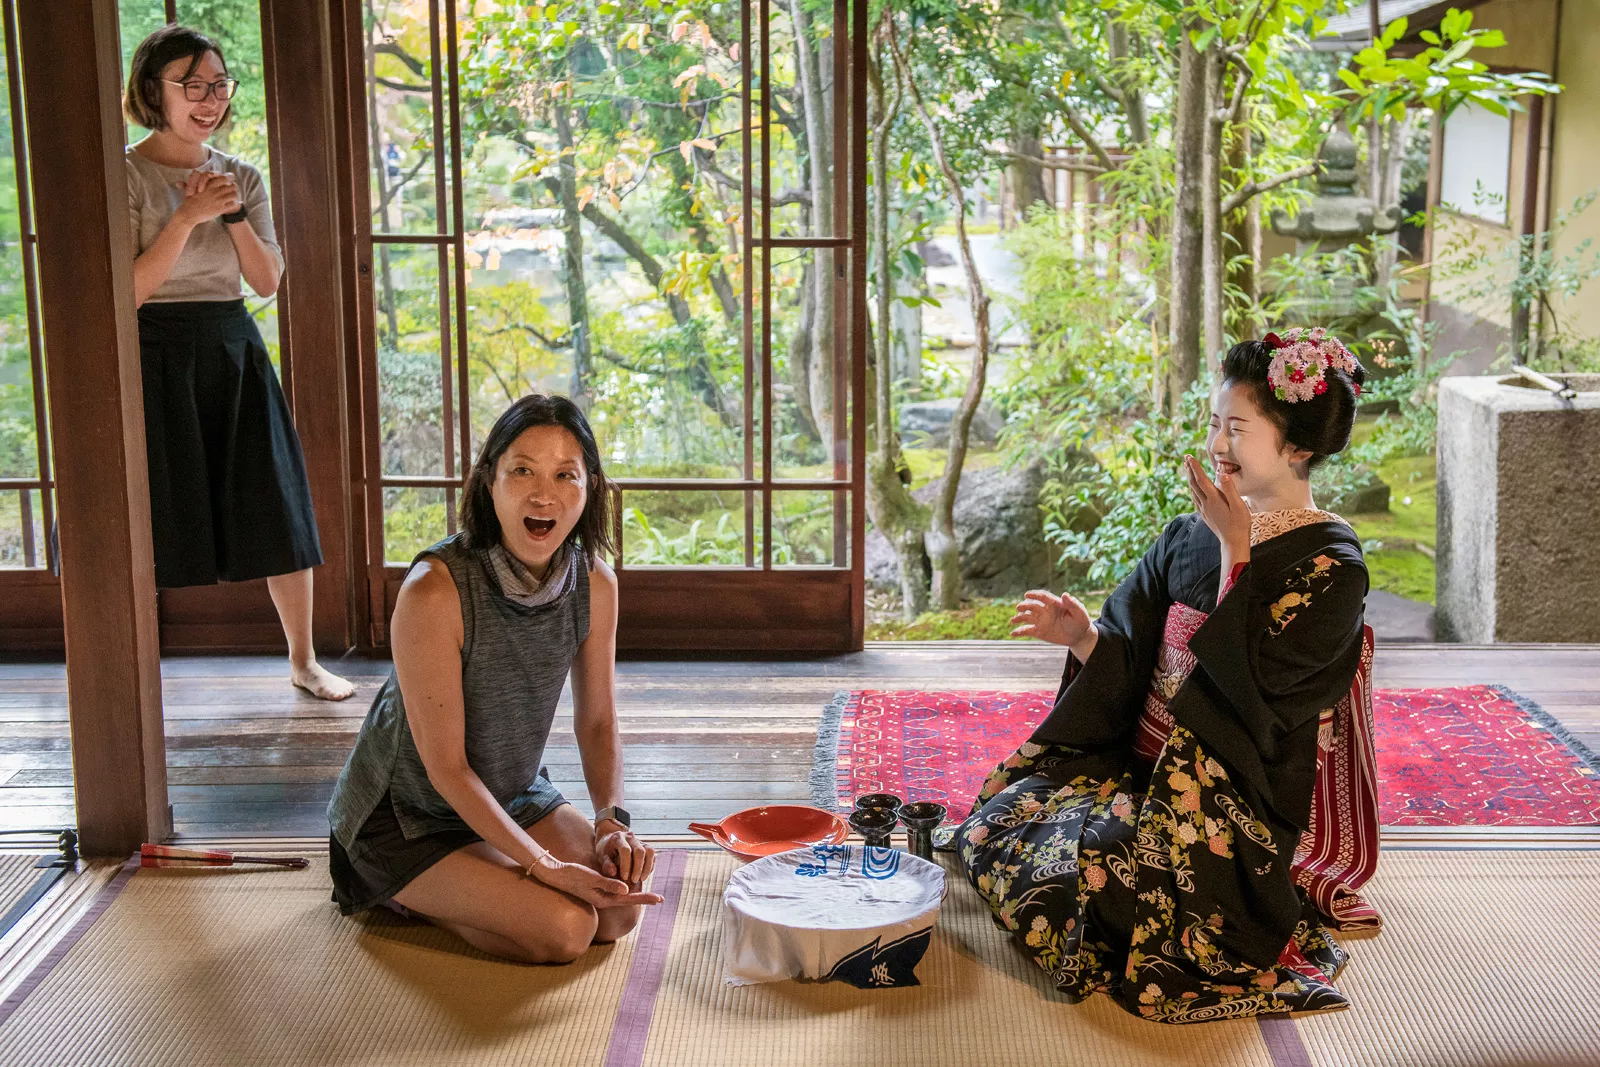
column 1072, row 209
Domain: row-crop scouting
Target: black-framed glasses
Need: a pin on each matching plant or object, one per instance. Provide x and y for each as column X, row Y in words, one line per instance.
column 196, row 91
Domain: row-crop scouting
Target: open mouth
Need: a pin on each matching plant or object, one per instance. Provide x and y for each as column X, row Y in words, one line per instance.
column 539, row 527
column 204, row 124
column 1222, row 467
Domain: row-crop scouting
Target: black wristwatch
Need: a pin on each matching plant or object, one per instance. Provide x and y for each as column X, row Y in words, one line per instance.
column 242, row 215
column 616, row 815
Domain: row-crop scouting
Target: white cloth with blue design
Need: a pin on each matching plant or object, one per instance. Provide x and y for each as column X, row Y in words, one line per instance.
column 831, row 912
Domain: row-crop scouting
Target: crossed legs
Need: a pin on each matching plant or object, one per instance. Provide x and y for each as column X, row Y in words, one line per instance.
column 481, row 895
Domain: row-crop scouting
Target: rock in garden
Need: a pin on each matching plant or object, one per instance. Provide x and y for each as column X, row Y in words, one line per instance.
column 927, row 422
column 1001, row 532
column 1364, row 496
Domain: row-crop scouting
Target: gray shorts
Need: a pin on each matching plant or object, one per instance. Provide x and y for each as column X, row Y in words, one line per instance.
column 381, row 861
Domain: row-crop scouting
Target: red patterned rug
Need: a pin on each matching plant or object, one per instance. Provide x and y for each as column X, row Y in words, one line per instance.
column 1472, row 755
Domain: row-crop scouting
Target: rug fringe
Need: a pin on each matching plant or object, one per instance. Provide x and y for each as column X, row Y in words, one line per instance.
column 825, row 757
column 1551, row 725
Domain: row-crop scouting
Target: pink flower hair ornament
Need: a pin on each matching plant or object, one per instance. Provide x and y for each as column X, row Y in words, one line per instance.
column 1301, row 362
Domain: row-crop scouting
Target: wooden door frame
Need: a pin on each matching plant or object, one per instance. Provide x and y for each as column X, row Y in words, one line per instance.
column 756, row 609
column 85, row 248
column 303, row 112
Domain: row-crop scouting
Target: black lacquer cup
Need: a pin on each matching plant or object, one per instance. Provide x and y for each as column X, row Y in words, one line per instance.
column 921, row 820
column 887, row 801
column 874, row 825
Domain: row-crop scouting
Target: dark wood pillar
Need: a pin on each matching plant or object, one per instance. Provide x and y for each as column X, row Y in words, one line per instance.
column 71, row 73
column 301, row 93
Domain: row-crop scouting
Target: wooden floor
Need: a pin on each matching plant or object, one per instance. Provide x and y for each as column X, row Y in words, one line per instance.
column 247, row 755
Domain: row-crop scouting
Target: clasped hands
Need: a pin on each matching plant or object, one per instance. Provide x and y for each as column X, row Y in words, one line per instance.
column 208, row 194
column 620, row 866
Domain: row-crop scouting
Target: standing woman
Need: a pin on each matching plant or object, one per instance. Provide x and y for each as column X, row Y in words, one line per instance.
column 228, row 494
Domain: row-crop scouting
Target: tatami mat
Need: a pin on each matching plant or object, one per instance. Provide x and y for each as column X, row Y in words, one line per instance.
column 1485, row 961
column 17, row 874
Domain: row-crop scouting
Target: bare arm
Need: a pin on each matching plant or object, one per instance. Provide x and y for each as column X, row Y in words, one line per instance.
column 256, row 261
column 153, row 268
column 427, row 636
column 594, row 693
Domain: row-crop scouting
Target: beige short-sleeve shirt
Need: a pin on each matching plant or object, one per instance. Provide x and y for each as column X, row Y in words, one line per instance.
column 208, row 268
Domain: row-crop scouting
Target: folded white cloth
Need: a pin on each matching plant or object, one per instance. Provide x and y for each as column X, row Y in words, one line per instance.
column 831, row 912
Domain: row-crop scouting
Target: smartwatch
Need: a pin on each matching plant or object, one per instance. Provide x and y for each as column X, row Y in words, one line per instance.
column 616, row 815
column 242, row 215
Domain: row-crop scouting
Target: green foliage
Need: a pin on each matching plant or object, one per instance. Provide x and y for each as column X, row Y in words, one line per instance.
column 1140, row 485
column 985, row 621
column 1530, row 270
column 1443, row 77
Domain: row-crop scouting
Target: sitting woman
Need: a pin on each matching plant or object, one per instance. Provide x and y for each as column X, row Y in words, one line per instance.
column 1139, row 843
column 443, row 809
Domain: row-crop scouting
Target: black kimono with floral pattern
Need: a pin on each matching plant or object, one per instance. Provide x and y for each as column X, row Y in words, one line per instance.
column 1169, row 888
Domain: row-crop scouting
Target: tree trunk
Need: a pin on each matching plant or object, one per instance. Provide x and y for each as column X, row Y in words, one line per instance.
column 1027, row 178
column 1239, row 247
column 1389, row 193
column 1132, row 92
column 1188, row 150
column 800, row 353
column 572, row 261
column 1213, row 296
column 894, row 512
column 943, row 548
column 819, row 139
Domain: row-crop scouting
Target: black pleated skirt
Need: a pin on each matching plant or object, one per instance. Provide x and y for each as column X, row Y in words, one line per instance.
column 229, row 499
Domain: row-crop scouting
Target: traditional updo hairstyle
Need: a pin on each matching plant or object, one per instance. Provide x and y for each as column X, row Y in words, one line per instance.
column 1319, row 425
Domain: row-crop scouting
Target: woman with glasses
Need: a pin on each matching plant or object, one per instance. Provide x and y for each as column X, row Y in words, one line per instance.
column 229, row 499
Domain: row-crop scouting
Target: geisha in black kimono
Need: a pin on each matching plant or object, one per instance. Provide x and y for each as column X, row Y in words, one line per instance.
column 1139, row 843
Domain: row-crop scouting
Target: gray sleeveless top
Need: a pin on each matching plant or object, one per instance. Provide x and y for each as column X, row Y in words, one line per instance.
column 514, row 663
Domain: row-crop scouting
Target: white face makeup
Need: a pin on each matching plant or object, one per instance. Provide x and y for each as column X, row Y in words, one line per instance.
column 1243, row 443
column 192, row 121
column 540, row 489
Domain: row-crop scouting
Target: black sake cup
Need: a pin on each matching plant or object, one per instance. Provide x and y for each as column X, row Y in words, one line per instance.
column 921, row 820
column 887, row 801
column 874, row 825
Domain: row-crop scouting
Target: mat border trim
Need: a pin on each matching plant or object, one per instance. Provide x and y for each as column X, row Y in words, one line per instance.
column 41, row 970
column 630, row 1032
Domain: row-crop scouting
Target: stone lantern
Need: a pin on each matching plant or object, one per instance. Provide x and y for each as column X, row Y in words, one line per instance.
column 1337, row 217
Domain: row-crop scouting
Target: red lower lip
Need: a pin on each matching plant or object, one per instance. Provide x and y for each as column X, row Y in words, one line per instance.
column 538, row 528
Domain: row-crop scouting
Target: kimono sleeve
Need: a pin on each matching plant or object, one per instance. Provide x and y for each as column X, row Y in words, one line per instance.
column 1281, row 648
column 1099, row 701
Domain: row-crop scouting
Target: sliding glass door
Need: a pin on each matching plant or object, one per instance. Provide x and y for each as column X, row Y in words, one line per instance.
column 658, row 212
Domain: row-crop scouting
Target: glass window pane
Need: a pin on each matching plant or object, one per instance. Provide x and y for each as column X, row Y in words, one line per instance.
column 400, row 112
column 413, row 519
column 410, row 378
column 805, row 524
column 604, row 229
column 22, row 531
column 803, row 163
column 683, row 528
column 806, row 378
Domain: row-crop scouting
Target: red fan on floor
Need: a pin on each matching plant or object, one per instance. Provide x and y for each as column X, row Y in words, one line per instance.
column 172, row 856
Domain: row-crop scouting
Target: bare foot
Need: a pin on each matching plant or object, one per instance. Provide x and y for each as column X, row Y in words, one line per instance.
column 321, row 683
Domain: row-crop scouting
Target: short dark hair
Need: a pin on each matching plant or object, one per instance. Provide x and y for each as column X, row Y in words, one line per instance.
column 1320, row 425
column 144, row 99
column 479, row 522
